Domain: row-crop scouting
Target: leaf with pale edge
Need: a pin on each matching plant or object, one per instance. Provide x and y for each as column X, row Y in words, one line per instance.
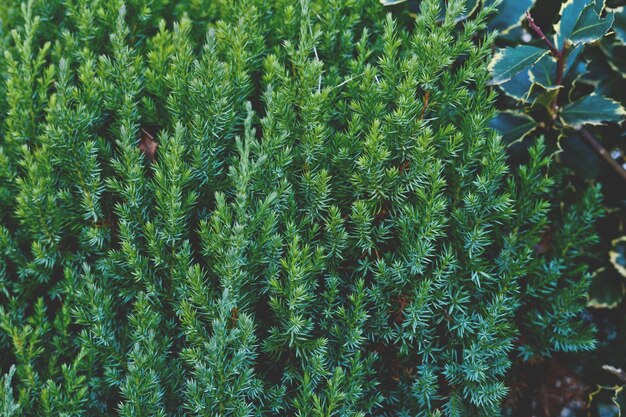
column 618, row 255
column 513, row 126
column 619, row 26
column 573, row 56
column 590, row 26
column 570, row 12
column 518, row 87
column 509, row 62
column 544, row 72
column 615, row 55
column 544, row 97
column 606, row 290
column 510, row 14
column 592, row 110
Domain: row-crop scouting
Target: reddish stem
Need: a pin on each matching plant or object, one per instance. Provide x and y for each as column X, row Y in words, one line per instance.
column 560, row 65
column 531, row 22
column 560, row 56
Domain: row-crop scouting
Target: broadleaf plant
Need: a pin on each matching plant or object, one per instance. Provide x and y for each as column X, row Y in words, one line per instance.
column 509, row 62
column 590, row 110
column 541, row 70
column 577, row 86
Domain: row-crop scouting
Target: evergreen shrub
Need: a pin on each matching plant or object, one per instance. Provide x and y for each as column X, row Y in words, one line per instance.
column 263, row 208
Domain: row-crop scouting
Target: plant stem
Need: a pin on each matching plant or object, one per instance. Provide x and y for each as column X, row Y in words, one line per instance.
column 560, row 64
column 597, row 146
column 560, row 56
column 531, row 22
column 560, row 69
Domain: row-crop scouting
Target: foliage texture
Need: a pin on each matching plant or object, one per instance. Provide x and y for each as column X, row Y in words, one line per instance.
column 269, row 208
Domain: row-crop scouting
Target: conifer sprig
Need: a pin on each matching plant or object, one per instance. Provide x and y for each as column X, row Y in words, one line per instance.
column 261, row 208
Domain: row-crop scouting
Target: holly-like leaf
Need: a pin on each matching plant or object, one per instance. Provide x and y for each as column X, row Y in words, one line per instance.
column 570, row 12
column 545, row 97
column 618, row 255
column 615, row 54
column 619, row 25
column 518, row 87
column 598, row 5
column 592, row 110
column 508, row 62
column 590, row 26
column 606, row 290
column 510, row 14
column 579, row 156
column 544, row 72
column 513, row 126
column 572, row 59
column 596, row 70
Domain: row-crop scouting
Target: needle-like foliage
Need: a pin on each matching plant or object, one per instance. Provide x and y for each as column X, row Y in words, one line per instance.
column 264, row 208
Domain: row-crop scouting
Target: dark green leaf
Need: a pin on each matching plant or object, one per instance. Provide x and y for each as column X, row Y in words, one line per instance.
column 579, row 156
column 619, row 26
column 509, row 62
column 570, row 12
column 590, row 26
column 518, row 87
column 513, row 126
column 544, row 72
column 573, row 59
column 606, row 290
column 593, row 110
column 510, row 14
column 618, row 255
column 545, row 97
column 615, row 55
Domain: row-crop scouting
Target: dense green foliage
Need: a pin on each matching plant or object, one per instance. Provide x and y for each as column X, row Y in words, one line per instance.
column 574, row 94
column 582, row 115
column 328, row 226
column 561, row 75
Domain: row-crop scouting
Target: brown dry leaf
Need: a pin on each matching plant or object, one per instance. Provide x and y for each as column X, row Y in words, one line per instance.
column 147, row 144
column 546, row 242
